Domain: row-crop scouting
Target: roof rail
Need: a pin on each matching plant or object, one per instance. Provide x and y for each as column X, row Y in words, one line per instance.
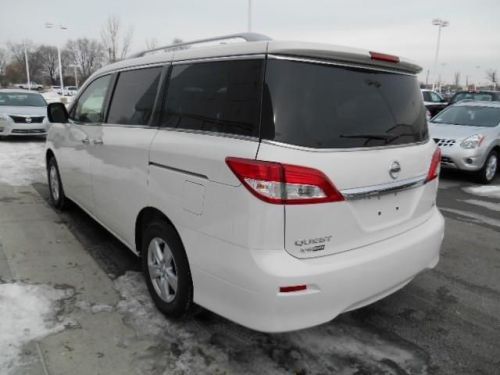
column 248, row 37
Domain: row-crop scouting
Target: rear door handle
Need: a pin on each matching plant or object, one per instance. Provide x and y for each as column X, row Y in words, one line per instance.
column 98, row 141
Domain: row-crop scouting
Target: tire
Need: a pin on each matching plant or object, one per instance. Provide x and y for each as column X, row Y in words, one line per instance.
column 56, row 191
column 487, row 173
column 166, row 270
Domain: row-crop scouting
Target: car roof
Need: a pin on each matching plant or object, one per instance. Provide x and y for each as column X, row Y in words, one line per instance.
column 304, row 50
column 478, row 103
column 19, row 91
column 477, row 92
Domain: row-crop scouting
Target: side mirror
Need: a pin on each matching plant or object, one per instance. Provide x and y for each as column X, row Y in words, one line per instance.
column 57, row 112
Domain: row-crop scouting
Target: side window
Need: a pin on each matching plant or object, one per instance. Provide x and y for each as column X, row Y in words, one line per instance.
column 222, row 97
column 435, row 97
column 90, row 105
column 134, row 96
column 427, row 96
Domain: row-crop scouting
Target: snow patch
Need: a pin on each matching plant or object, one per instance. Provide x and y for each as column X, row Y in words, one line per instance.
column 27, row 312
column 94, row 308
column 22, row 163
column 492, row 191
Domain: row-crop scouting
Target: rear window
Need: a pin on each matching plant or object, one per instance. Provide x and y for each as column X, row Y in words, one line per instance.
column 469, row 116
column 326, row 106
column 477, row 96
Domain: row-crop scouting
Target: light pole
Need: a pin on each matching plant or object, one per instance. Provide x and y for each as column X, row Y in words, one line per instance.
column 49, row 25
column 27, row 66
column 74, row 66
column 249, row 15
column 440, row 24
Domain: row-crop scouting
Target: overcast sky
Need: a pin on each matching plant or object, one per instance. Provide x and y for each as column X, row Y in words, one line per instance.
column 471, row 44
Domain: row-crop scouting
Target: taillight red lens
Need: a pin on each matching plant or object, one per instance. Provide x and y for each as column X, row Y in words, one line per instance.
column 435, row 165
column 384, row 57
column 284, row 183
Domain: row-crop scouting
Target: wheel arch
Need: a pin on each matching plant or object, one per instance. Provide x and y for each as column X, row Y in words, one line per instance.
column 146, row 215
column 48, row 155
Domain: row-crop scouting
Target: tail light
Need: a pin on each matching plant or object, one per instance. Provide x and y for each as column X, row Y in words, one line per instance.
column 435, row 165
column 283, row 183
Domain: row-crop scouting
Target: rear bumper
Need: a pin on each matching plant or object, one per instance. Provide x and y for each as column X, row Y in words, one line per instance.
column 336, row 283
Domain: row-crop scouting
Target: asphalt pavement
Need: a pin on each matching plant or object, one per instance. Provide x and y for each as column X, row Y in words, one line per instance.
column 446, row 321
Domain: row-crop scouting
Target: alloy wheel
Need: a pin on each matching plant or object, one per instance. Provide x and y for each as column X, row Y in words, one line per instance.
column 54, row 182
column 491, row 167
column 162, row 269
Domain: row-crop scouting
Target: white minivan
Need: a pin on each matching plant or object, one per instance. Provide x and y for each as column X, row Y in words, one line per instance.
column 277, row 184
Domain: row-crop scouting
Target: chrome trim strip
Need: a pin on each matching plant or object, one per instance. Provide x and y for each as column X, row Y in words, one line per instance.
column 210, row 133
column 310, row 149
column 194, row 174
column 376, row 190
column 339, row 63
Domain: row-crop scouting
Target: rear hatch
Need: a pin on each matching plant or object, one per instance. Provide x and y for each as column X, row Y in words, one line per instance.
column 365, row 129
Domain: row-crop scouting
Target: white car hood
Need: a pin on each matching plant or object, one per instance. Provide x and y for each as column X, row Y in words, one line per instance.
column 449, row 131
column 23, row 111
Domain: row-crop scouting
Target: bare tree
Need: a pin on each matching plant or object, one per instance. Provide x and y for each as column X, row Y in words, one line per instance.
column 17, row 51
column 178, row 41
column 87, row 54
column 151, row 43
column 3, row 60
column 49, row 61
column 456, row 80
column 3, row 64
column 116, row 41
column 492, row 76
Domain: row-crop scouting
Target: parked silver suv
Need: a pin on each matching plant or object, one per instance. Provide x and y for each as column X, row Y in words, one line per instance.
column 469, row 136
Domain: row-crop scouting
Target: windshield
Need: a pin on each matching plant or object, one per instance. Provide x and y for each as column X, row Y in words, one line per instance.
column 21, row 100
column 469, row 116
column 327, row 106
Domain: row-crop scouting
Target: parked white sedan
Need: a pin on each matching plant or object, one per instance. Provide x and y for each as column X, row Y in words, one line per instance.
column 22, row 113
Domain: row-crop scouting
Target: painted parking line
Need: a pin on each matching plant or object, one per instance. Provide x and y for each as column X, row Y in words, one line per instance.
column 486, row 204
column 490, row 191
column 471, row 215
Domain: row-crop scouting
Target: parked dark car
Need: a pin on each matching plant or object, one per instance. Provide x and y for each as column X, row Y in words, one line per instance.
column 433, row 101
column 482, row 95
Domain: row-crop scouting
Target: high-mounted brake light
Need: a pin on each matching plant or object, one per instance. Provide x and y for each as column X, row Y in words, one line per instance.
column 284, row 183
column 384, row 57
column 435, row 165
column 293, row 288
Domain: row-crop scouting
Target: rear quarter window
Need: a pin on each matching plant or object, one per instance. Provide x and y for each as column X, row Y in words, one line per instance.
column 328, row 106
column 219, row 97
